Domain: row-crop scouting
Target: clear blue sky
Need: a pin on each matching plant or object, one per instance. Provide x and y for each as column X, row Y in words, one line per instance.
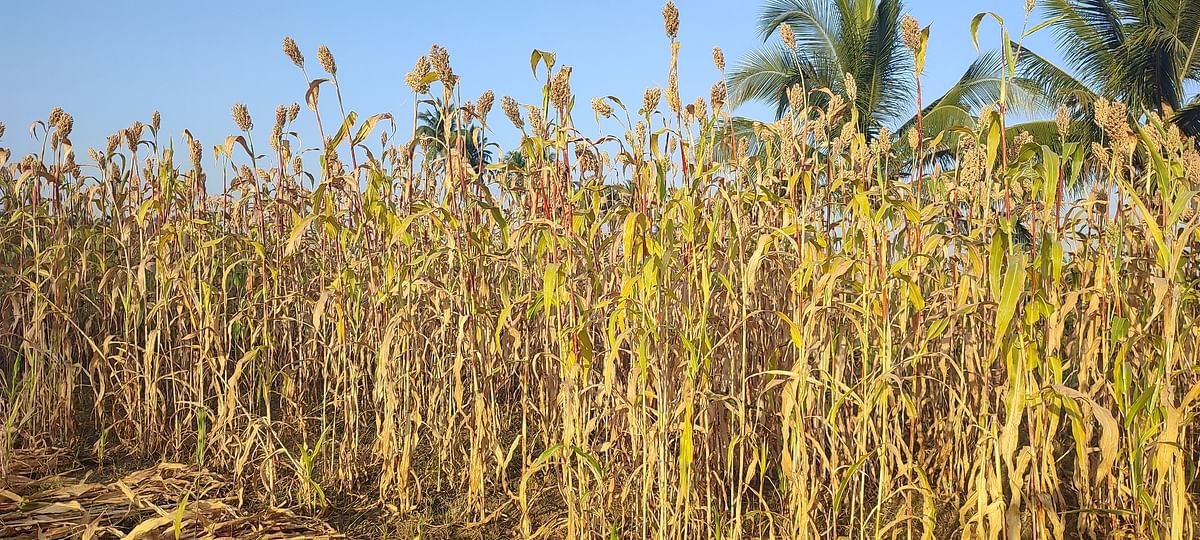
column 109, row 63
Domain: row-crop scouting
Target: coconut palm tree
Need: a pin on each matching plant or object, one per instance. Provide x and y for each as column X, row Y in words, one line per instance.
column 1037, row 87
column 862, row 38
column 432, row 127
column 856, row 37
column 1142, row 52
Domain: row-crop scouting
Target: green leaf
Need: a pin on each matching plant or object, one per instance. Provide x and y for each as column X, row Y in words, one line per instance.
column 919, row 57
column 539, row 56
column 915, row 296
column 1014, row 287
column 238, row 139
column 756, row 261
column 1120, row 330
column 794, row 330
column 178, row 520
column 1052, row 166
column 840, row 492
column 369, row 125
column 1056, row 260
column 143, row 210
column 539, row 463
column 993, row 140
column 1181, row 204
column 1164, row 254
column 297, row 234
column 592, row 462
column 1009, row 61
column 978, row 18
column 995, row 259
column 629, row 234
column 347, row 124
column 313, row 93
column 550, row 281
column 1042, row 25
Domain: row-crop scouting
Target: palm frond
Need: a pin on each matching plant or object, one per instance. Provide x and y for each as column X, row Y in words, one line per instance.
column 884, row 74
column 1188, row 118
column 835, row 37
column 817, row 24
column 765, row 75
column 1140, row 52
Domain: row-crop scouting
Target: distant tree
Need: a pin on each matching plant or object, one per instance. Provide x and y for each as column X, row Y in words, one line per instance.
column 862, row 38
column 834, row 38
column 1142, row 52
column 432, row 127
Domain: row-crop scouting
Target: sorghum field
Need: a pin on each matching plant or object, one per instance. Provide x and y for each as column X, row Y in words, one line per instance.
column 699, row 326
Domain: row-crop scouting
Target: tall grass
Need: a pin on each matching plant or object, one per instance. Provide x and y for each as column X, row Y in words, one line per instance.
column 680, row 330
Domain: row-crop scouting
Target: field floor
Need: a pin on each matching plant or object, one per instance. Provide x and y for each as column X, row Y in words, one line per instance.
column 53, row 493
column 48, row 493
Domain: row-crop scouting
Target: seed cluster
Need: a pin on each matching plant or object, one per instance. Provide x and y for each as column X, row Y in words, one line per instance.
column 513, row 111
column 196, row 153
column 1062, row 121
column 718, row 94
column 415, row 79
column 241, row 117
column 650, row 99
column 910, row 32
column 560, row 89
column 439, row 59
column 788, row 36
column 670, row 15
column 293, row 52
column 601, row 107
column 537, row 121
column 850, row 87
column 325, row 57
column 484, row 103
